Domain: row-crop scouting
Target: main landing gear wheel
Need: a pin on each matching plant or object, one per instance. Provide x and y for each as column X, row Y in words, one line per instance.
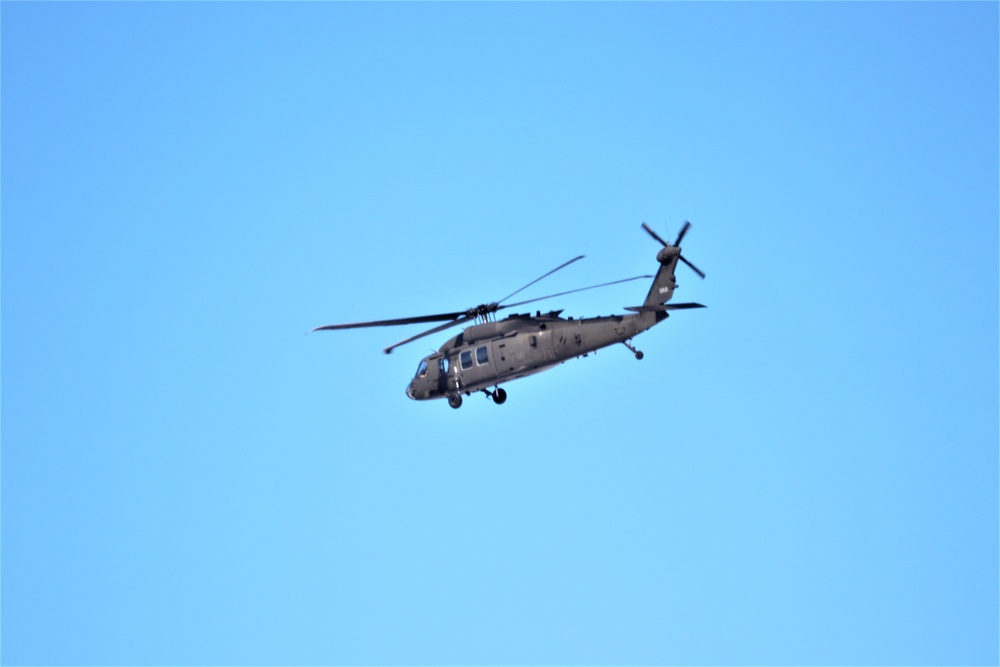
column 638, row 355
column 499, row 396
column 455, row 401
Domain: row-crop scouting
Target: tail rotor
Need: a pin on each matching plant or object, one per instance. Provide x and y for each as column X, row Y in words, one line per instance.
column 676, row 244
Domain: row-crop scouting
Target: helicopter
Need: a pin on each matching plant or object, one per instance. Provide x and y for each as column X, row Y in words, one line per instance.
column 492, row 352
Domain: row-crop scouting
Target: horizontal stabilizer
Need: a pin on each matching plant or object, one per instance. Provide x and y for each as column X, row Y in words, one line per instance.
column 664, row 307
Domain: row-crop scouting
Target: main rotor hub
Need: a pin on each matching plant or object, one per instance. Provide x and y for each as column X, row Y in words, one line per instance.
column 483, row 311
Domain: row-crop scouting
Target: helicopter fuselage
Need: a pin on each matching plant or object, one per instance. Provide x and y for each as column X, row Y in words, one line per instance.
column 492, row 352
column 488, row 354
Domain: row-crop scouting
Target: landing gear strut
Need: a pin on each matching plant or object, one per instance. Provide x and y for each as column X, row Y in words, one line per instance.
column 628, row 344
column 498, row 395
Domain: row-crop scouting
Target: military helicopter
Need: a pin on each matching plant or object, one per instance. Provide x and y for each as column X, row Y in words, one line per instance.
column 492, row 352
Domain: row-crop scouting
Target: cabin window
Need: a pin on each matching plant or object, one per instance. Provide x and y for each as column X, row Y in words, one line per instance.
column 422, row 369
column 482, row 355
column 466, row 360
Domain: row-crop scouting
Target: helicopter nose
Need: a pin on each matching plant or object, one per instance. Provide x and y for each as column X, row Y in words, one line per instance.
column 409, row 391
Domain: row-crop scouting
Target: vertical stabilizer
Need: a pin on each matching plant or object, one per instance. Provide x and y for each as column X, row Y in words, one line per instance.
column 664, row 283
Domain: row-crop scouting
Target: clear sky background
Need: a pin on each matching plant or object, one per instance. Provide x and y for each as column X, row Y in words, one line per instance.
column 805, row 472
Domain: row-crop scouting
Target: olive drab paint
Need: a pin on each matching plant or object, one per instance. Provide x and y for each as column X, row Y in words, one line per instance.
column 493, row 352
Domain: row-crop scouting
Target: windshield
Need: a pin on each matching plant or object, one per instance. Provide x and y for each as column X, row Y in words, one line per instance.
column 422, row 369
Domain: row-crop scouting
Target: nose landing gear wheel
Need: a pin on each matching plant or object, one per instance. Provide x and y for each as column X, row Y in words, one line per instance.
column 455, row 401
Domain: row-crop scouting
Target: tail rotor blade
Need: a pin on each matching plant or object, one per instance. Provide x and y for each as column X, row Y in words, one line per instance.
column 654, row 235
column 684, row 230
column 693, row 267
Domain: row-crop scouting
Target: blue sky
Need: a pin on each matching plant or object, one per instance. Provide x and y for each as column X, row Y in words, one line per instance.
column 805, row 472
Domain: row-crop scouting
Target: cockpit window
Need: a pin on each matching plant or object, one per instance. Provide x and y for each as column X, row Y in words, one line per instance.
column 422, row 369
column 443, row 365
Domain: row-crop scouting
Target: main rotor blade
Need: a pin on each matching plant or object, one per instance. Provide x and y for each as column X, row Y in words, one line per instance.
column 448, row 325
column 561, row 266
column 653, row 234
column 391, row 323
column 684, row 230
column 693, row 267
column 550, row 296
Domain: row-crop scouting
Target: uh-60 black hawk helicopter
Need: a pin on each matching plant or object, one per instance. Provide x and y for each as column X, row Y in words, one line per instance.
column 492, row 352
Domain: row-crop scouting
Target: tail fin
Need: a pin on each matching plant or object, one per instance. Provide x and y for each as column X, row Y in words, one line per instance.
column 664, row 283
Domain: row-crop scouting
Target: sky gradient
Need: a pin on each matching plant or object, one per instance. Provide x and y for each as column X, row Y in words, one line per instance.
column 805, row 472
